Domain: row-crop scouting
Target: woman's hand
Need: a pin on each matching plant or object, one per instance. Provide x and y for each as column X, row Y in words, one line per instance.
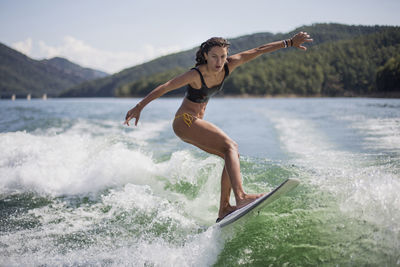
column 299, row 39
column 133, row 113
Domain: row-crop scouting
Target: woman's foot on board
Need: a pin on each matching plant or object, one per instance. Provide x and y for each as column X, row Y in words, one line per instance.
column 247, row 199
column 224, row 211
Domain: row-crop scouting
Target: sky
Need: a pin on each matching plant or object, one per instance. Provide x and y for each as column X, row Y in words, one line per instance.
column 111, row 35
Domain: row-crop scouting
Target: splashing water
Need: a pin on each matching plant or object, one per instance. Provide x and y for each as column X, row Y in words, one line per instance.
column 79, row 188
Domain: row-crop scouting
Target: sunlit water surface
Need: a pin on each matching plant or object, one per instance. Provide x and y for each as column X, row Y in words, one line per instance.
column 79, row 188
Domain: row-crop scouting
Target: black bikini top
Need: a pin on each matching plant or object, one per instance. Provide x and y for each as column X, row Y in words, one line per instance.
column 204, row 93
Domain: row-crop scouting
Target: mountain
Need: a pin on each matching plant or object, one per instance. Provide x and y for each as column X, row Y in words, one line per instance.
column 68, row 68
column 347, row 67
column 106, row 87
column 22, row 75
column 118, row 84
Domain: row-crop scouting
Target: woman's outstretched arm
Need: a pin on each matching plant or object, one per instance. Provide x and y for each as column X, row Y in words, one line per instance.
column 238, row 59
column 171, row 85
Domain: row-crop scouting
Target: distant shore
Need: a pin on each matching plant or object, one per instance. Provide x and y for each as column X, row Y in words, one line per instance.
column 372, row 95
column 375, row 95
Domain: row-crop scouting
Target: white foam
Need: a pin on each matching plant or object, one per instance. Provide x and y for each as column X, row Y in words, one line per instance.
column 85, row 160
column 362, row 189
column 86, row 157
column 183, row 167
column 202, row 250
column 118, row 241
column 66, row 164
column 381, row 133
column 146, row 131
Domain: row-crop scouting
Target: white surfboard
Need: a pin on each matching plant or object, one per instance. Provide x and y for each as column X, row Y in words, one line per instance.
column 260, row 203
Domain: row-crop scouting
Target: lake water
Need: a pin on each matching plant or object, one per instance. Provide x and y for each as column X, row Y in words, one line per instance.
column 79, row 188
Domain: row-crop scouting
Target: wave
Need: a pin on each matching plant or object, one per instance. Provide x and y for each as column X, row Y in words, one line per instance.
column 80, row 191
column 96, row 197
column 361, row 187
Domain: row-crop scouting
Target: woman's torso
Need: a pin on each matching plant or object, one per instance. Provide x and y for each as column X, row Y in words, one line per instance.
column 197, row 107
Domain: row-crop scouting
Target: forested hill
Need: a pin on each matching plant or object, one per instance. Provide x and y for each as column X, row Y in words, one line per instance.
column 342, row 60
column 346, row 67
column 21, row 75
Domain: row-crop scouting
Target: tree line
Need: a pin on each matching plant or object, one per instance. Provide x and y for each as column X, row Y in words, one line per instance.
column 364, row 65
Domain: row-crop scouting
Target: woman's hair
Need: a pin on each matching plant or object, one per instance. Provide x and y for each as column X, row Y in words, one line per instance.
column 207, row 45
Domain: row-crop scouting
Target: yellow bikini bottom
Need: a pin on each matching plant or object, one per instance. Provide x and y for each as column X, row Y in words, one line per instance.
column 187, row 118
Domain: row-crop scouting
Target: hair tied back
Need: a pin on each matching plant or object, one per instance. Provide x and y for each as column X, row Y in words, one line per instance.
column 207, row 45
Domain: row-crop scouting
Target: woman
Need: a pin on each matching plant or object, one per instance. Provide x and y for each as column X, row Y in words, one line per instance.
column 203, row 81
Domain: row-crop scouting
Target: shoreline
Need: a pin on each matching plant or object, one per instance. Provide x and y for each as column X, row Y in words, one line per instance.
column 393, row 95
column 388, row 95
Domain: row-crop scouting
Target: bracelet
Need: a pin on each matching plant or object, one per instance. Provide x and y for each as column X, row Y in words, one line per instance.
column 286, row 43
column 291, row 42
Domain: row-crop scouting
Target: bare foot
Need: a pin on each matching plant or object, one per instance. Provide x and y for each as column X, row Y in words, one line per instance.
column 225, row 211
column 247, row 199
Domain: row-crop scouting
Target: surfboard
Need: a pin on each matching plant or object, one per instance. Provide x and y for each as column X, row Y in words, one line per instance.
column 260, row 203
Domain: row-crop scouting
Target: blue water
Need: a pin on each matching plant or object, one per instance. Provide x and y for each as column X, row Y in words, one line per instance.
column 79, row 188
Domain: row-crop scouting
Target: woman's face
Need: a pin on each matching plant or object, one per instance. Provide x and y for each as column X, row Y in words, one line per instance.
column 216, row 58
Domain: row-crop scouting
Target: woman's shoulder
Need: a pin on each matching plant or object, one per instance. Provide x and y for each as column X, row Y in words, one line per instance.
column 190, row 74
column 232, row 62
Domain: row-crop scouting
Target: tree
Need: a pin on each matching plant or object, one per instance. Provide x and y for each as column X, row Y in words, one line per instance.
column 388, row 76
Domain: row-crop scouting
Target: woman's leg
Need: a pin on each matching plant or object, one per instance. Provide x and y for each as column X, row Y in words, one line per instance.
column 226, row 187
column 210, row 138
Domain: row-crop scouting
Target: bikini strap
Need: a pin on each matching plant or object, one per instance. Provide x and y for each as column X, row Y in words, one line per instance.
column 226, row 70
column 201, row 76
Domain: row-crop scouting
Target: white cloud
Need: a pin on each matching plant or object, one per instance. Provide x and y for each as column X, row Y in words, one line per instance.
column 83, row 54
column 23, row 46
column 86, row 55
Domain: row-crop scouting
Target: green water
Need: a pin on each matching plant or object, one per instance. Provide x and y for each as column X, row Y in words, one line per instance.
column 79, row 188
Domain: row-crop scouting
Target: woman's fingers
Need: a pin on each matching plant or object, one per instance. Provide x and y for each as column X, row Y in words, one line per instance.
column 127, row 118
column 303, row 47
column 126, row 122
column 300, row 38
column 130, row 115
